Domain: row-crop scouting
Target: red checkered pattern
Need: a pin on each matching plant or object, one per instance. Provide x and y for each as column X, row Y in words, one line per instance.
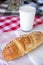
column 9, row 23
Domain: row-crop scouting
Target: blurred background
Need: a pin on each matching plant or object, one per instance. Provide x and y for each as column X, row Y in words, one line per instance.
column 11, row 7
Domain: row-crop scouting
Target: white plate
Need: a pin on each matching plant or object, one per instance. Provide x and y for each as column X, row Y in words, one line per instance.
column 35, row 56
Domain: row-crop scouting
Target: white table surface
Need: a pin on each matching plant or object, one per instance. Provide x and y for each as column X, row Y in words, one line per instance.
column 32, row 58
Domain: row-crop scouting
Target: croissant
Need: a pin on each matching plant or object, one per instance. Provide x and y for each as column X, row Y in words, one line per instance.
column 22, row 45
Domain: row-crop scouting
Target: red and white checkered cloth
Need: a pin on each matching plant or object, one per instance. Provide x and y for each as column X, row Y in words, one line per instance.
column 9, row 23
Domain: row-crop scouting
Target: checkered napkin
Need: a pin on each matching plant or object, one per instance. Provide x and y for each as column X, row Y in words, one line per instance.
column 36, row 3
column 5, row 11
column 10, row 23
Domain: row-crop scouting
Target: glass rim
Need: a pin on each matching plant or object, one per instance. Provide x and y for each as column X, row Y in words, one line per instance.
column 27, row 6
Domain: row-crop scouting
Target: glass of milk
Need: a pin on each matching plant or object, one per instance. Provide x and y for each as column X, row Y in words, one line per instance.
column 27, row 14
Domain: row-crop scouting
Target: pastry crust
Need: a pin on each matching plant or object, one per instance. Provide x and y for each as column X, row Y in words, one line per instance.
column 22, row 45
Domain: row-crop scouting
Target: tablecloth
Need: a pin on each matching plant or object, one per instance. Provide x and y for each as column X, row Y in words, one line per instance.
column 12, row 23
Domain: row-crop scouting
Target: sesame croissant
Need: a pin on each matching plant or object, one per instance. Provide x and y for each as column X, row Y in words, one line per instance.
column 22, row 45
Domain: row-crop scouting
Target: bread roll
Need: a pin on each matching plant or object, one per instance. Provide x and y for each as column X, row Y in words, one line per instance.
column 22, row 45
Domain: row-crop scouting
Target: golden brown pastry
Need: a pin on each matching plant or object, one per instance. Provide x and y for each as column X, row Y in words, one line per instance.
column 22, row 45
